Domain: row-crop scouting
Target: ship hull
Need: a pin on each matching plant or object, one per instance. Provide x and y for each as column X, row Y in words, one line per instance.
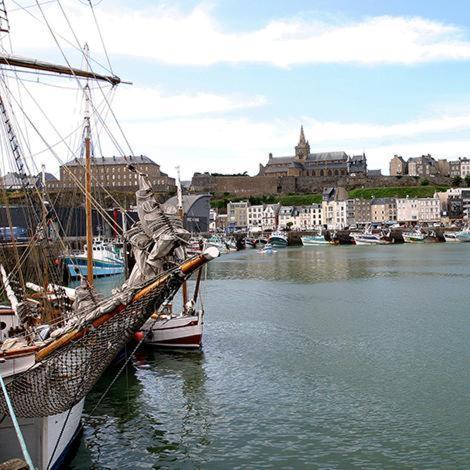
column 41, row 436
column 77, row 266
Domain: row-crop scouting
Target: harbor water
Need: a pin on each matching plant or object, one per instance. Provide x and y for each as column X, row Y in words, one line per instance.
column 327, row 357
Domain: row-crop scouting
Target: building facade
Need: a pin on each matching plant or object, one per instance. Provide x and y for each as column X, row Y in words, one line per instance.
column 113, row 174
column 420, row 210
column 398, row 166
column 237, row 213
column 361, row 211
column 254, row 215
column 383, row 210
column 422, row 166
column 464, row 167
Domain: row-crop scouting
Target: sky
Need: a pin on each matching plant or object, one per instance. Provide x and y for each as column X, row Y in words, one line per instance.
column 218, row 85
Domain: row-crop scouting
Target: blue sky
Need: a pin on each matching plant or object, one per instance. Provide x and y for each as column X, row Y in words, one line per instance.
column 218, row 85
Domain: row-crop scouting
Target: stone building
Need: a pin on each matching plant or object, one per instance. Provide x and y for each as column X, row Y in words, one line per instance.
column 422, row 166
column 454, row 168
column 383, row 210
column 304, row 163
column 357, row 165
column 398, row 166
column 113, row 174
column 464, row 167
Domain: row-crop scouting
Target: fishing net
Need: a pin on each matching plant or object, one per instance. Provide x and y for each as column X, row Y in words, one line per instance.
column 63, row 378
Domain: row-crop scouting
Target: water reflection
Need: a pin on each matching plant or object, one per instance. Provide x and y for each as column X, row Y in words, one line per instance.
column 336, row 263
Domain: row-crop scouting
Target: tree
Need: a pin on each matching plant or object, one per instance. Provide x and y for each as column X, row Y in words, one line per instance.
column 289, row 225
column 467, row 181
column 456, row 181
column 424, row 182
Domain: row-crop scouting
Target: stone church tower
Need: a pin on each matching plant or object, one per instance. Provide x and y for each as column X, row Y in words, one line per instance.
column 302, row 149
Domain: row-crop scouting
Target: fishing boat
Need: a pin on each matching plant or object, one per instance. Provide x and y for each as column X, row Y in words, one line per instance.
column 218, row 242
column 107, row 260
column 369, row 238
column 415, row 236
column 463, row 235
column 278, row 239
column 267, row 249
column 314, row 240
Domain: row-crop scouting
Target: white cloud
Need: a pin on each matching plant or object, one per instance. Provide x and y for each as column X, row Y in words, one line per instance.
column 197, row 38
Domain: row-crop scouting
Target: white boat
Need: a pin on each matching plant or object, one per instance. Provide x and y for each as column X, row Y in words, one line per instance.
column 415, row 236
column 218, row 242
column 41, row 434
column 107, row 260
column 314, row 240
column 451, row 237
column 369, row 238
column 267, row 249
column 168, row 330
column 278, row 240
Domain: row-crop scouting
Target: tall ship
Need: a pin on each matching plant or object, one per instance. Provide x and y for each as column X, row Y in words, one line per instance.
column 55, row 342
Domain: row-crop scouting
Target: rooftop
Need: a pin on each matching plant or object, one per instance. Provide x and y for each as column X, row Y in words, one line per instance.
column 113, row 160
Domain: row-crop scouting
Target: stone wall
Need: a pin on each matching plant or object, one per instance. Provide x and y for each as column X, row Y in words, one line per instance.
column 246, row 186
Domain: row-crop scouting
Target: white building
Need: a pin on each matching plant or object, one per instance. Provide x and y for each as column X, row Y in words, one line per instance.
column 287, row 217
column 254, row 215
column 309, row 217
column 464, row 167
column 337, row 215
column 426, row 209
column 270, row 216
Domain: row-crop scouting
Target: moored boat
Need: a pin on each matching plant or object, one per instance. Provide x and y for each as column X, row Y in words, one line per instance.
column 451, row 237
column 314, row 240
column 463, row 235
column 278, row 239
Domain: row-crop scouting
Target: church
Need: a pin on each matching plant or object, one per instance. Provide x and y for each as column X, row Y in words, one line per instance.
column 304, row 163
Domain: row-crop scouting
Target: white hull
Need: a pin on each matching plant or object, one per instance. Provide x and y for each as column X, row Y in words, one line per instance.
column 41, row 436
column 451, row 238
column 183, row 331
column 316, row 241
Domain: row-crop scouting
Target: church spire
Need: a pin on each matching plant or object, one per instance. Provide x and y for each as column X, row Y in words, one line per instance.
column 302, row 149
column 302, row 135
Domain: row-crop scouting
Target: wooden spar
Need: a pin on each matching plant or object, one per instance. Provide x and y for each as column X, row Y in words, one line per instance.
column 88, row 212
column 186, row 268
column 198, row 284
column 32, row 64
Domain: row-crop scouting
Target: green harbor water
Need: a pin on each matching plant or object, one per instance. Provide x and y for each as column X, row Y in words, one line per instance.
column 320, row 357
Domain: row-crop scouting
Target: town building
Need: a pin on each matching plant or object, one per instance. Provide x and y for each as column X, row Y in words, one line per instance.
column 420, row 210
column 254, row 215
column 361, row 211
column 13, row 181
column 398, row 166
column 464, row 167
column 383, row 210
column 422, row 166
column 304, row 163
column 454, row 168
column 237, row 213
column 455, row 203
column 443, row 167
column 270, row 218
column 288, row 217
column 337, row 209
column 113, row 174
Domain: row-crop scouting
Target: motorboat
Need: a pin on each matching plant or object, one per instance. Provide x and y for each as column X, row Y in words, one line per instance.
column 463, row 235
column 314, row 240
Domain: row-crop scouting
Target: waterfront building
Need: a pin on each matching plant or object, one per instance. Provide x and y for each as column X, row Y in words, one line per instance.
column 398, row 166
column 270, row 218
column 237, row 213
column 422, row 166
column 421, row 210
column 113, row 174
column 455, row 203
column 383, row 210
column 213, row 220
column 288, row 217
column 337, row 210
column 361, row 211
column 12, row 180
column 304, row 163
column 309, row 217
column 254, row 215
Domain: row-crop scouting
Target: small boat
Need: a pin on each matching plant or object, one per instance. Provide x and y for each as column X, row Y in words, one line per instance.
column 195, row 246
column 278, row 240
column 267, row 249
column 218, row 242
column 250, row 242
column 107, row 260
column 168, row 330
column 314, row 240
column 415, row 236
column 463, row 235
column 451, row 237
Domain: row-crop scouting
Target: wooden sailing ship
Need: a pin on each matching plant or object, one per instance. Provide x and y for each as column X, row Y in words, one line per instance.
column 55, row 342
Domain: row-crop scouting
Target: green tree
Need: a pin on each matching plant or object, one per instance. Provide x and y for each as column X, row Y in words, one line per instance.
column 456, row 181
column 424, row 182
column 467, row 181
column 289, row 225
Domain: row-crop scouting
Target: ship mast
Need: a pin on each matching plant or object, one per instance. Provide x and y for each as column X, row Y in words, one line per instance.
column 179, row 196
column 88, row 211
